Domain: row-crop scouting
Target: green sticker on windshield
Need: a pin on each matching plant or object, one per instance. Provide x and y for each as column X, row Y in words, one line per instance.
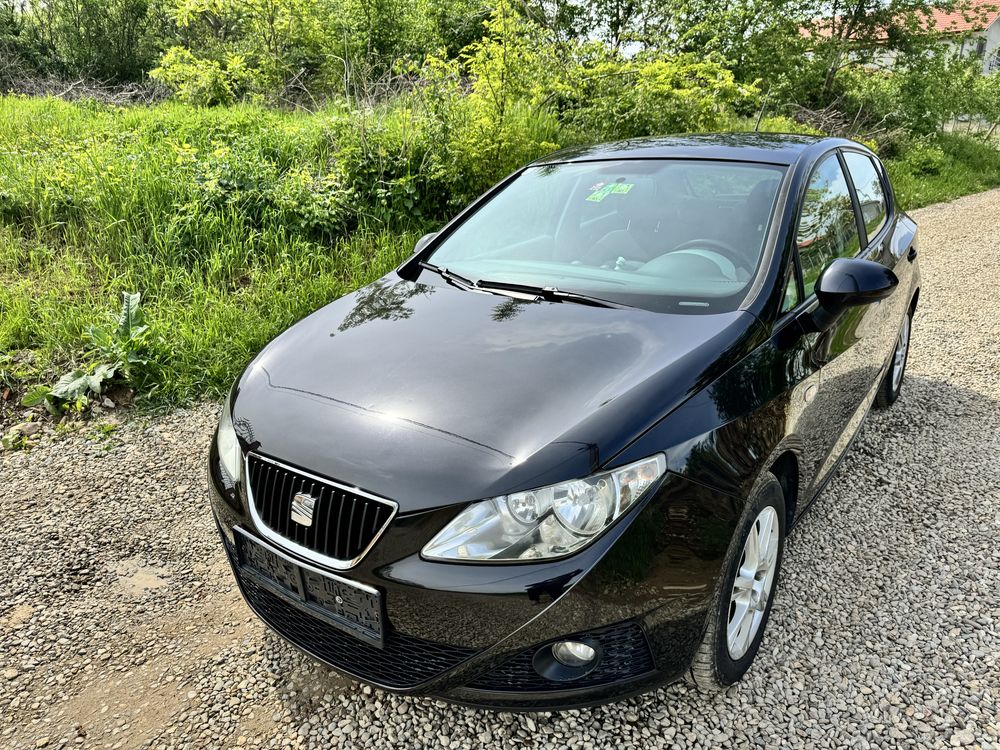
column 600, row 192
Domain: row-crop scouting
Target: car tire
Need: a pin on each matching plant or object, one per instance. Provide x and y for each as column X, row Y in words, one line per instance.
column 892, row 382
column 721, row 660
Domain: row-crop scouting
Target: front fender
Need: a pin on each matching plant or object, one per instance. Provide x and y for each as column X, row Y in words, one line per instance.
column 735, row 428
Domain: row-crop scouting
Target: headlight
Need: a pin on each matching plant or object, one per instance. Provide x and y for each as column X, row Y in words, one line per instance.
column 548, row 522
column 227, row 444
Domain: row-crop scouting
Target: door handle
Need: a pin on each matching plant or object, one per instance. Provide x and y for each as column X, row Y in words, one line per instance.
column 912, row 254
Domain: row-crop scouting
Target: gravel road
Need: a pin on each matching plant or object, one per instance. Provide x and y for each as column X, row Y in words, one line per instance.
column 120, row 625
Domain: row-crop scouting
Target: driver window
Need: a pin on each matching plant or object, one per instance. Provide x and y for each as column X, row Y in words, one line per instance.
column 827, row 227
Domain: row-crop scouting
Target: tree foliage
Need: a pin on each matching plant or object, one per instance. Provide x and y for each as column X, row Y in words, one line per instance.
column 596, row 68
column 103, row 39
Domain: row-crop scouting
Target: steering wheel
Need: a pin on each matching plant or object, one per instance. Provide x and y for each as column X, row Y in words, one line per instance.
column 723, row 248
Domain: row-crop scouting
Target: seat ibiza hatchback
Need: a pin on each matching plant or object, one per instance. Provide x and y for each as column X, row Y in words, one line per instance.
column 552, row 459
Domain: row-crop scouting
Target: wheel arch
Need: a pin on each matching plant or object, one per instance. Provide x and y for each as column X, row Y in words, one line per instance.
column 786, row 469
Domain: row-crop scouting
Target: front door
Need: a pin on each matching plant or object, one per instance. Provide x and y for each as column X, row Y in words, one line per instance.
column 879, row 223
column 849, row 354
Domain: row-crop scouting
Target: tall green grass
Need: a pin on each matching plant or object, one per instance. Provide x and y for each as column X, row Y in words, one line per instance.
column 943, row 169
column 235, row 222
column 231, row 222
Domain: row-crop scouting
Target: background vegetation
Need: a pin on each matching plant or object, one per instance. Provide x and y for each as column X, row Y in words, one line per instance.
column 285, row 152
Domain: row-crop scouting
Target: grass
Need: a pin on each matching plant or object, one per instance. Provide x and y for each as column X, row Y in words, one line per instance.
column 955, row 165
column 227, row 220
column 234, row 223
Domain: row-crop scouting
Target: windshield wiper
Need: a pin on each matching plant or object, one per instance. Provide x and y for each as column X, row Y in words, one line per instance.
column 548, row 293
column 450, row 276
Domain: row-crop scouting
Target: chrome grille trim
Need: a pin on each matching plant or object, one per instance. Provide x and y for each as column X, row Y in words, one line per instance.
column 295, row 547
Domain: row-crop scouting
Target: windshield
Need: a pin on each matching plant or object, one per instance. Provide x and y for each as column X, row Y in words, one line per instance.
column 666, row 235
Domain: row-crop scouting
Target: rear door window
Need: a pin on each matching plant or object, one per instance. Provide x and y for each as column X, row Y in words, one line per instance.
column 827, row 225
column 868, row 186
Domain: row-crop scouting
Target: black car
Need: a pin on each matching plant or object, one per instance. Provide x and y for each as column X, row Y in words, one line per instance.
column 552, row 459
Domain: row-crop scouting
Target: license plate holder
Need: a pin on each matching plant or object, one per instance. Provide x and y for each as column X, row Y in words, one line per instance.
column 352, row 607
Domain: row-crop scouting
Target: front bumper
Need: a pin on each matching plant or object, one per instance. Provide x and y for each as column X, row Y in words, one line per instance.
column 470, row 633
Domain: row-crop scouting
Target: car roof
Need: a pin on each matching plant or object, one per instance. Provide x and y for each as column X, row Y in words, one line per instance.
column 771, row 148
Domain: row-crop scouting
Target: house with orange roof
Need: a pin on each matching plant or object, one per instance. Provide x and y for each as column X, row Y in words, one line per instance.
column 975, row 28
column 972, row 27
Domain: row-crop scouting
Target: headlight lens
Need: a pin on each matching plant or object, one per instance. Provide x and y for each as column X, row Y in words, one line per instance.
column 227, row 444
column 547, row 522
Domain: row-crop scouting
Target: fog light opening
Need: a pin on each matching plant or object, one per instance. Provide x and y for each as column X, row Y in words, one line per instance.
column 565, row 661
column 573, row 653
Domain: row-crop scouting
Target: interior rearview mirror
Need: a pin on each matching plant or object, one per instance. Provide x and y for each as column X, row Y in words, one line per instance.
column 849, row 282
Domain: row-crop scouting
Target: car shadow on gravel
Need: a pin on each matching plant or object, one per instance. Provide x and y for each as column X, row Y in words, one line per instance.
column 832, row 656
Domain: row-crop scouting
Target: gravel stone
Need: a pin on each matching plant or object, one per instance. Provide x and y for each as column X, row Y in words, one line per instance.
column 26, row 428
column 121, row 626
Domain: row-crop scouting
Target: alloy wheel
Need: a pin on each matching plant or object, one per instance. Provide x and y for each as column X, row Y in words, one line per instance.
column 754, row 580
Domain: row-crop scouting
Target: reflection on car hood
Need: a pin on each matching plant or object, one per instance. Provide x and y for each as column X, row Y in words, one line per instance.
column 431, row 395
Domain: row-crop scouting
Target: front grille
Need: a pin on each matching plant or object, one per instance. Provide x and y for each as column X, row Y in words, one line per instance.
column 626, row 655
column 344, row 525
column 404, row 662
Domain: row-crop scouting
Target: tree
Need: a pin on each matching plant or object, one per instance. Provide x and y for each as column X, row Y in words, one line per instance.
column 987, row 94
column 103, row 39
column 619, row 22
column 457, row 23
column 862, row 32
column 756, row 39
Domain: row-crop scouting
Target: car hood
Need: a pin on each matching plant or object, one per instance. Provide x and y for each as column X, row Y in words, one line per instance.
column 431, row 395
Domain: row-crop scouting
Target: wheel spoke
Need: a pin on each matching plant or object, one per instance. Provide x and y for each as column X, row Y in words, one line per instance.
column 736, row 623
column 751, row 550
column 766, row 543
column 768, row 581
column 745, row 633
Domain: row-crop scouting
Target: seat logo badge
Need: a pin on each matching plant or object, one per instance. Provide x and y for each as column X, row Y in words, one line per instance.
column 303, row 505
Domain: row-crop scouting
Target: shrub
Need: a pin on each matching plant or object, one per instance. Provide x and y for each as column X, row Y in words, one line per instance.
column 317, row 204
column 918, row 96
column 234, row 222
column 109, row 40
column 502, row 122
column 922, row 157
column 941, row 168
column 782, row 124
column 626, row 98
column 204, row 82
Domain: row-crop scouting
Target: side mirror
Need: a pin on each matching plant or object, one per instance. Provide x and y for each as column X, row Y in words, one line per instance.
column 422, row 242
column 849, row 282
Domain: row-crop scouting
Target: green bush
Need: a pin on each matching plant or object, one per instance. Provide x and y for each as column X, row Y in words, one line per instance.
column 107, row 40
column 200, row 81
column 921, row 157
column 503, row 121
column 780, row 124
column 942, row 168
column 614, row 97
column 918, row 96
